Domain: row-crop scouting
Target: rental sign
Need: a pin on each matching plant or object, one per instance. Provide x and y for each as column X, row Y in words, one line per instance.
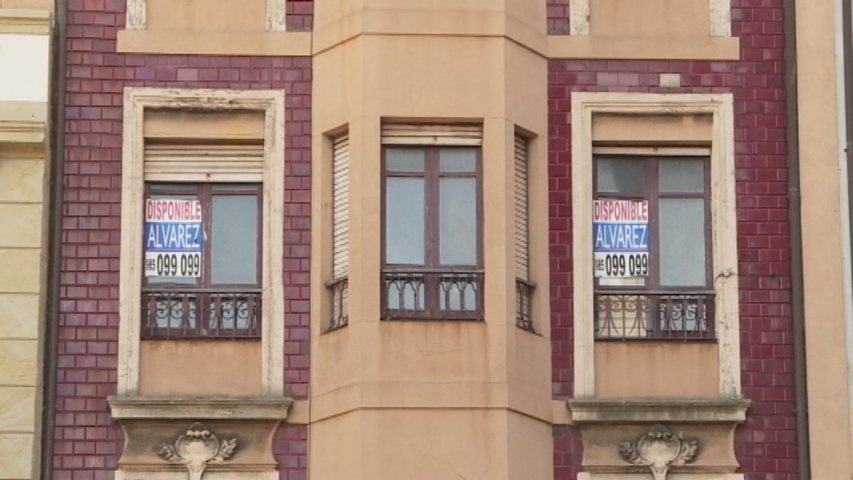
column 620, row 230
column 173, row 238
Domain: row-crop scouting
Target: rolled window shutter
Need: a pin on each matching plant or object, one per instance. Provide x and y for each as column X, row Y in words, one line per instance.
column 522, row 264
column 207, row 162
column 421, row 134
column 340, row 207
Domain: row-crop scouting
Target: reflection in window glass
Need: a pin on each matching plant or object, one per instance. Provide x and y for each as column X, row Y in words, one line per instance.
column 681, row 175
column 458, row 217
column 682, row 242
column 458, row 160
column 234, row 243
column 404, row 160
column 619, row 175
column 404, row 221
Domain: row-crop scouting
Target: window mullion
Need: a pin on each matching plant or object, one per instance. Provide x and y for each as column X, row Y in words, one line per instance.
column 203, row 304
column 653, row 280
column 432, row 204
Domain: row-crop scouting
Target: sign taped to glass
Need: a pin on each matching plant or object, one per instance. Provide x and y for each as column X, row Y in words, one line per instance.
column 173, row 238
column 621, row 235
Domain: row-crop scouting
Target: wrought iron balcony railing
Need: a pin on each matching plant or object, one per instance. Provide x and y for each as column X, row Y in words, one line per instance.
column 201, row 313
column 339, row 290
column 426, row 294
column 638, row 315
column 523, row 307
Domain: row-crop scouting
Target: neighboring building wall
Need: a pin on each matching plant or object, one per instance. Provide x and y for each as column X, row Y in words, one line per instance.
column 826, row 236
column 24, row 170
column 88, row 442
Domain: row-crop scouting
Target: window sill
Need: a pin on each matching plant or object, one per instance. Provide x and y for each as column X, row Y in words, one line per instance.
column 191, row 408
column 629, row 48
column 593, row 411
column 394, row 319
column 215, row 43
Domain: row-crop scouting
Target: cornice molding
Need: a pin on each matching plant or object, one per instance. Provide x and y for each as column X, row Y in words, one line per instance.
column 32, row 22
column 589, row 411
column 190, row 408
column 22, row 131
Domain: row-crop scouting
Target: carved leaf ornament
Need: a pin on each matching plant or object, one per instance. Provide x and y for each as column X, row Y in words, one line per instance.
column 197, row 448
column 659, row 449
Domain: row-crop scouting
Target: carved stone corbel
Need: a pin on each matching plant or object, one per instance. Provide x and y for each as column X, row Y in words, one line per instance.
column 659, row 449
column 197, row 448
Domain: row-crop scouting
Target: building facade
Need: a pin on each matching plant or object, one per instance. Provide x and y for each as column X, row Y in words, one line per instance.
column 548, row 239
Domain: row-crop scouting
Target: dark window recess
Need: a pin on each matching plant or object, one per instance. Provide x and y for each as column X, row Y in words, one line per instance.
column 214, row 291
column 432, row 230
column 671, row 297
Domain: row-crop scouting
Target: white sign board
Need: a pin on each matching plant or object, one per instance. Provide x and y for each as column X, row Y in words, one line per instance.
column 621, row 238
column 173, row 238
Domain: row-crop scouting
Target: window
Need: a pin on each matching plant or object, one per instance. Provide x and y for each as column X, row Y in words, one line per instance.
column 339, row 286
column 652, row 247
column 523, row 286
column 432, row 209
column 202, row 264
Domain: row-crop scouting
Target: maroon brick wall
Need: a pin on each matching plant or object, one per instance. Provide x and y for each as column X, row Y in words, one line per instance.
column 88, row 444
column 765, row 445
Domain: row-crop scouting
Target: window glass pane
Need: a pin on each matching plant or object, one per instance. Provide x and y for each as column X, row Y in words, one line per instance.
column 404, row 159
column 458, row 160
column 234, row 242
column 404, row 221
column 619, row 175
column 685, row 175
column 458, row 221
column 173, row 280
column 682, row 237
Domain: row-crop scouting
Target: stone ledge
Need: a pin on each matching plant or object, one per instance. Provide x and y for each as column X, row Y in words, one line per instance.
column 181, row 42
column 23, row 21
column 591, row 411
column 191, row 408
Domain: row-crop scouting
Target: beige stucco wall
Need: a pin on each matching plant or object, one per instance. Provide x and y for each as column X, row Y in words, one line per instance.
column 200, row 367
column 824, row 296
column 650, row 18
column 429, row 399
column 648, row 369
column 430, row 445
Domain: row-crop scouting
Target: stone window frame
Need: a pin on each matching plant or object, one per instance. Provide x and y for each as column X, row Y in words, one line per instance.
column 720, row 13
column 136, row 101
column 723, row 222
column 276, row 21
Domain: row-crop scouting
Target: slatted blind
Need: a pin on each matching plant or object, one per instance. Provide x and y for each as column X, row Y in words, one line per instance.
column 420, row 134
column 522, row 264
column 340, row 206
column 209, row 162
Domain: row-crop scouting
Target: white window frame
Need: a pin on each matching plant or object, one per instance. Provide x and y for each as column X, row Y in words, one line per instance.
column 723, row 222
column 720, row 17
column 136, row 102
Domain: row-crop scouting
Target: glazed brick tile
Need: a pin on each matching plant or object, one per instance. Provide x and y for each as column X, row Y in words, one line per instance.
column 765, row 444
column 87, row 442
